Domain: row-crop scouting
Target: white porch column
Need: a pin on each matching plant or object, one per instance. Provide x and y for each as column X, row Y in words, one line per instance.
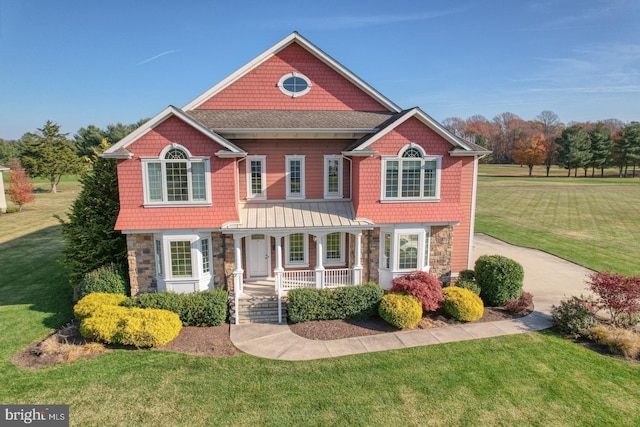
column 319, row 266
column 278, row 275
column 357, row 267
column 238, row 271
column 3, row 200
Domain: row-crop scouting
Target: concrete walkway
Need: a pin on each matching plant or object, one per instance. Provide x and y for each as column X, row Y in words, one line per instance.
column 547, row 277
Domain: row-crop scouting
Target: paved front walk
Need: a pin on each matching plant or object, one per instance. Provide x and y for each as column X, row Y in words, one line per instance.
column 548, row 278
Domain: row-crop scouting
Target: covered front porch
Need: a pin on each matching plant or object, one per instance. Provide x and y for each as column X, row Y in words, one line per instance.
column 294, row 245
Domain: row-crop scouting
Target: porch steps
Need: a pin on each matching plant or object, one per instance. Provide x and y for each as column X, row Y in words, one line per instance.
column 256, row 309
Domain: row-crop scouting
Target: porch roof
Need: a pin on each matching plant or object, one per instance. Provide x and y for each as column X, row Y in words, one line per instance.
column 298, row 216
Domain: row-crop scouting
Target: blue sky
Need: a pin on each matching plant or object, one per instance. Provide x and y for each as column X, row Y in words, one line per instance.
column 86, row 62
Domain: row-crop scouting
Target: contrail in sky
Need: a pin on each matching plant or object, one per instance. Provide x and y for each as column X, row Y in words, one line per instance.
column 153, row 58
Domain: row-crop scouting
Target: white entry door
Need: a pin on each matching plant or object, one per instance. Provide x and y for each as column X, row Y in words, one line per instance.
column 259, row 256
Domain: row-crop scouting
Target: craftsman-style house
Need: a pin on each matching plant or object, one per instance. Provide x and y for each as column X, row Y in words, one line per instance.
column 294, row 171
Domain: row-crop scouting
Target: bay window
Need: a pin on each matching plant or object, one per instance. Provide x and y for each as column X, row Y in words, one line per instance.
column 183, row 261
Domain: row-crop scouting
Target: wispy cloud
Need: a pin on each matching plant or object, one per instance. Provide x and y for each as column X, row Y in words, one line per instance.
column 153, row 58
column 343, row 22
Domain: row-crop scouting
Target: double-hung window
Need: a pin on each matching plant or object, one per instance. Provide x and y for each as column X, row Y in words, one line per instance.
column 295, row 177
column 176, row 178
column 332, row 176
column 411, row 176
column 256, row 177
column 297, row 249
column 334, row 249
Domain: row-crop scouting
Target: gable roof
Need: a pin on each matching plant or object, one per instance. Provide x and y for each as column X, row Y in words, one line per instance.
column 119, row 149
column 311, row 48
column 461, row 147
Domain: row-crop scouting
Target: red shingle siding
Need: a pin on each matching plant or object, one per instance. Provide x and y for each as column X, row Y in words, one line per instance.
column 460, row 255
column 257, row 89
column 276, row 150
column 134, row 216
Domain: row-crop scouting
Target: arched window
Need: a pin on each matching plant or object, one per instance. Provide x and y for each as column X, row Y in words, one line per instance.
column 411, row 175
column 176, row 177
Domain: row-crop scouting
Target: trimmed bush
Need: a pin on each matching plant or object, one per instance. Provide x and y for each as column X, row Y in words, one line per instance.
column 106, row 279
column 462, row 304
column 139, row 327
column 422, row 285
column 575, row 316
column 519, row 305
column 467, row 275
column 618, row 340
column 207, row 308
column 401, row 311
column 90, row 303
column 104, row 324
column 500, row 279
column 469, row 284
column 347, row 302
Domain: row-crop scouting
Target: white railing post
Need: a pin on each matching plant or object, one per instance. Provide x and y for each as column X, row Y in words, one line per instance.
column 237, row 274
column 357, row 268
column 319, row 267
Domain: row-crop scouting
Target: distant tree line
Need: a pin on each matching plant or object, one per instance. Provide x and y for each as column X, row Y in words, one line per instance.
column 547, row 141
column 50, row 154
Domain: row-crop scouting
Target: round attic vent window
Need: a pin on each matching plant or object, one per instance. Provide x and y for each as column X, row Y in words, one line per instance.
column 294, row 84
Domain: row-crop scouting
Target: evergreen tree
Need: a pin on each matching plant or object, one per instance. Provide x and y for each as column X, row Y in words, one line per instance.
column 89, row 235
column 628, row 148
column 49, row 154
column 600, row 137
column 573, row 148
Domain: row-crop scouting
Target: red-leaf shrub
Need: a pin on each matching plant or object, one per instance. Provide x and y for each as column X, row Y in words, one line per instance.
column 619, row 294
column 20, row 188
column 520, row 304
column 426, row 288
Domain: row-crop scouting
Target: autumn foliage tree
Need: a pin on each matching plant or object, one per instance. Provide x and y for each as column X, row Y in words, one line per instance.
column 20, row 190
column 530, row 151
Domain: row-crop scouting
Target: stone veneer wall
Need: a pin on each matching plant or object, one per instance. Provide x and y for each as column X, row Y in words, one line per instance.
column 370, row 255
column 440, row 252
column 223, row 260
column 142, row 265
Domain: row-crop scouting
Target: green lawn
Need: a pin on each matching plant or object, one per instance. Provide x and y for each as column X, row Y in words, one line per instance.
column 528, row 379
column 592, row 222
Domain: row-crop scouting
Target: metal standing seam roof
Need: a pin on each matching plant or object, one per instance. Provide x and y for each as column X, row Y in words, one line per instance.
column 304, row 215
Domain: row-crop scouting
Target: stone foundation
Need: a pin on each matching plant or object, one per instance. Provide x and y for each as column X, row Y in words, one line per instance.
column 223, row 260
column 440, row 252
column 142, row 265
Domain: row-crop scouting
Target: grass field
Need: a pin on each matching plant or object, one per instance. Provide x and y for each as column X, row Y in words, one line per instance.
column 592, row 222
column 528, row 379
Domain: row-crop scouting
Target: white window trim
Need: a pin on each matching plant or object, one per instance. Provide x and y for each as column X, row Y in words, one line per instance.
column 399, row 159
column 334, row 262
column 288, row 92
column 162, row 161
column 165, row 240
column 288, row 160
column 424, row 248
column 327, row 194
column 263, row 179
column 305, row 261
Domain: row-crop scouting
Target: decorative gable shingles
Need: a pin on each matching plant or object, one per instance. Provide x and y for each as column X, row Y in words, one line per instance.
column 257, row 89
column 133, row 216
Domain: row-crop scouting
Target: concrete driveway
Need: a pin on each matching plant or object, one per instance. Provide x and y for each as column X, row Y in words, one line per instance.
column 547, row 277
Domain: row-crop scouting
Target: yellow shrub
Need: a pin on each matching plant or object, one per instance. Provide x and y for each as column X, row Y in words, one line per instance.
column 462, row 304
column 401, row 311
column 87, row 305
column 619, row 340
column 104, row 324
column 140, row 327
column 149, row 327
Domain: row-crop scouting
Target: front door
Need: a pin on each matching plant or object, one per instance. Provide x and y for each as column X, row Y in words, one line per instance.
column 259, row 256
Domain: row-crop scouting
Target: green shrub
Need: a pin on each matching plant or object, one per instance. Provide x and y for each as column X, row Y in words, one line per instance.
column 207, row 308
column 309, row 304
column 619, row 340
column 401, row 311
column 471, row 285
column 500, row 279
column 462, row 304
column 467, row 275
column 575, row 316
column 140, row 327
column 90, row 303
column 107, row 279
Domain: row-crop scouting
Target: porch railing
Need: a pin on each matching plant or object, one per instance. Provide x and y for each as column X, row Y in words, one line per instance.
column 332, row 278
